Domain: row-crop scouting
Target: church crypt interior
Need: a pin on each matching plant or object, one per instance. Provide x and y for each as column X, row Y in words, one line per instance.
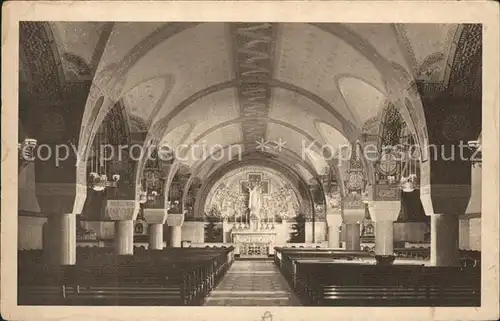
column 249, row 164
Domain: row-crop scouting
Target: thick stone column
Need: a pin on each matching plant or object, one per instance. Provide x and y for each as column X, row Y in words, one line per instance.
column 352, row 236
column 384, row 214
column 334, row 222
column 444, row 203
column 123, row 212
column 175, row 236
column 155, row 217
column 444, row 240
column 124, row 237
column 175, row 221
column 60, row 239
column 352, row 218
column 464, row 234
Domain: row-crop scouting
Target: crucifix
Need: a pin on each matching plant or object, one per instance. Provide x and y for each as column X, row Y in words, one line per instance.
column 252, row 181
column 254, row 187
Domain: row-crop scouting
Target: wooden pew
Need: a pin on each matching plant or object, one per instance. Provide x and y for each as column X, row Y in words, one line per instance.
column 168, row 277
column 285, row 258
column 331, row 284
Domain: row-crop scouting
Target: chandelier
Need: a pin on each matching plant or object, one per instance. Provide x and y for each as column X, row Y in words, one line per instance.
column 26, row 150
column 143, row 196
column 475, row 148
column 409, row 168
column 98, row 178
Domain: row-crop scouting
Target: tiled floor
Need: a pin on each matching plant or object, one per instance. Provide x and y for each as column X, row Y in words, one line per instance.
column 253, row 283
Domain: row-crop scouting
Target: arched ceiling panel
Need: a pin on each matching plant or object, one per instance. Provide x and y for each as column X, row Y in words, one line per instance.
column 429, row 46
column 78, row 43
column 230, row 152
column 311, row 58
column 205, row 167
column 383, row 37
column 334, row 139
column 286, row 157
column 197, row 57
column 288, row 138
column 299, row 111
column 209, row 111
column 141, row 100
column 124, row 37
column 281, row 137
column 176, row 136
column 320, row 164
column 364, row 100
column 211, row 145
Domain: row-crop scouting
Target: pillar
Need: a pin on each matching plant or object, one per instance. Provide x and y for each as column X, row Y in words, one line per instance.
column 334, row 221
column 464, row 234
column 123, row 212
column 352, row 218
column 175, row 221
column 60, row 239
column 444, row 203
column 352, row 236
column 124, row 237
column 384, row 238
column 384, row 214
column 155, row 232
column 175, row 236
column 155, row 217
column 444, row 240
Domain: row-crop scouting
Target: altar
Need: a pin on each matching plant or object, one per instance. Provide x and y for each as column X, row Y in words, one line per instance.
column 254, row 243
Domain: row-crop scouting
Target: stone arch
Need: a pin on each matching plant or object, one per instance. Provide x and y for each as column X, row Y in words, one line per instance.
column 398, row 83
column 292, row 157
column 467, row 52
column 163, row 123
column 301, row 188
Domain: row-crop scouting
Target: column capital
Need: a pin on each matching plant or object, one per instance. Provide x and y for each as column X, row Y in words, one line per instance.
column 175, row 219
column 381, row 211
column 155, row 215
column 122, row 210
column 334, row 219
column 61, row 197
column 445, row 198
column 385, row 192
column 353, row 215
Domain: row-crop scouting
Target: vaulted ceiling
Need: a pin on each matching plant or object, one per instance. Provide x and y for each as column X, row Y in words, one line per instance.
column 278, row 89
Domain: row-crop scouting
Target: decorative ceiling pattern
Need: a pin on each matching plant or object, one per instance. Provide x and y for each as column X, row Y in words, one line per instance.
column 427, row 58
column 253, row 64
column 141, row 100
column 80, row 46
column 468, row 56
column 41, row 61
column 239, row 83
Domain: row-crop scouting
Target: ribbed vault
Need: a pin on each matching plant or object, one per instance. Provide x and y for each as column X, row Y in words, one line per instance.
column 293, row 86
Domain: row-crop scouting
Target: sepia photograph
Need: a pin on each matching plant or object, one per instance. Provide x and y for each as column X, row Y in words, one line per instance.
column 259, row 161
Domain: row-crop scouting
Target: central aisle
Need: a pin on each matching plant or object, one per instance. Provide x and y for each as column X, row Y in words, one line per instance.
column 253, row 283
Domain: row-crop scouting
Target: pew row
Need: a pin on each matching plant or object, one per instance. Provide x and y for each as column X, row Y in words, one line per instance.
column 350, row 278
column 168, row 277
